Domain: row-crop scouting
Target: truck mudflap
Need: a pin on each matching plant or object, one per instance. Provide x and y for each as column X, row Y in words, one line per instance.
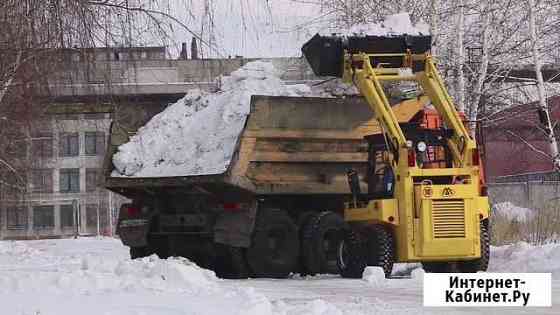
column 235, row 226
column 134, row 232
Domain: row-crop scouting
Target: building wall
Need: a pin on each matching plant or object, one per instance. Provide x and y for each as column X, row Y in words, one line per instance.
column 92, row 200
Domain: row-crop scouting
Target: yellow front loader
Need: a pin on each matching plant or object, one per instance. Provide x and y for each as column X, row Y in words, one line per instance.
column 425, row 201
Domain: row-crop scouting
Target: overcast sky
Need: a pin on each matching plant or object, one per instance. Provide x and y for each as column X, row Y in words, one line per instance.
column 251, row 28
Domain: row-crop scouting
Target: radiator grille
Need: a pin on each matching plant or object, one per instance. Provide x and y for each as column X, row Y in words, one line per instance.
column 448, row 217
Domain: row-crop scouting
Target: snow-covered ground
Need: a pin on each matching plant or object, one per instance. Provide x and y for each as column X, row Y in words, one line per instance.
column 95, row 276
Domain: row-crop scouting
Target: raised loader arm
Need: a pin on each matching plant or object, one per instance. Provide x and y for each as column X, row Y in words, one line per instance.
column 358, row 70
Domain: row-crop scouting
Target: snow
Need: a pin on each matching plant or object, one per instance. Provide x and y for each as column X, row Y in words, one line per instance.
column 95, row 276
column 374, row 276
column 513, row 212
column 197, row 135
column 396, row 24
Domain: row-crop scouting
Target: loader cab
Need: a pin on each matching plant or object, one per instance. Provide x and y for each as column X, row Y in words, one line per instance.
column 430, row 151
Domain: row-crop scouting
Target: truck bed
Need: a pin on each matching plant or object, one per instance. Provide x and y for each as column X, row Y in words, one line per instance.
column 289, row 145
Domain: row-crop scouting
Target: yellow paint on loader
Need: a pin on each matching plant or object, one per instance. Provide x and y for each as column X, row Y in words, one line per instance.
column 430, row 222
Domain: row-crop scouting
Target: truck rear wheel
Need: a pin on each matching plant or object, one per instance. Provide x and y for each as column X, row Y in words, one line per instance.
column 139, row 252
column 274, row 251
column 351, row 258
column 380, row 248
column 320, row 241
column 230, row 262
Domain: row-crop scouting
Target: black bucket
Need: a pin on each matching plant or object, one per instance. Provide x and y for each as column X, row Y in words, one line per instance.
column 325, row 53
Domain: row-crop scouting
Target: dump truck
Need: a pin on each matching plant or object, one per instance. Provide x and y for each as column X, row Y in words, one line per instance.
column 436, row 211
column 278, row 208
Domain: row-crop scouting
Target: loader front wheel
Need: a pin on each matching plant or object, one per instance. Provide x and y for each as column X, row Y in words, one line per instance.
column 380, row 248
column 274, row 251
column 351, row 258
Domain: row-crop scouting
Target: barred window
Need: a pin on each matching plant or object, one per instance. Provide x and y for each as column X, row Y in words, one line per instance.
column 42, row 180
column 43, row 217
column 42, row 145
column 69, row 180
column 17, row 218
column 69, row 144
column 66, row 216
column 92, row 179
column 95, row 143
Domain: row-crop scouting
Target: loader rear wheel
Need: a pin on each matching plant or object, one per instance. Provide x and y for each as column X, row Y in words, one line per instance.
column 480, row 264
column 274, row 251
column 380, row 246
column 352, row 258
column 321, row 237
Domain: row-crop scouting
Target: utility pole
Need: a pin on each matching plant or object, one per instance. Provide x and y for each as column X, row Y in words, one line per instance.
column 544, row 113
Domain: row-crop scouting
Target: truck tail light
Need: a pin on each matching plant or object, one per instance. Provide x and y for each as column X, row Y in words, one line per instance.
column 475, row 157
column 411, row 158
column 231, row 206
column 132, row 211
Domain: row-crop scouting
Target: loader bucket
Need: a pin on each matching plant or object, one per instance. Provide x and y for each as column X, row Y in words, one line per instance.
column 325, row 54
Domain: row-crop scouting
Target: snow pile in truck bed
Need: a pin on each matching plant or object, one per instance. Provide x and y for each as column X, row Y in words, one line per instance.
column 197, row 135
column 396, row 24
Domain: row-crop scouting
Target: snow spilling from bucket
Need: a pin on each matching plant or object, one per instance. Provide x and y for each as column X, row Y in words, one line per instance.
column 396, row 24
column 197, row 135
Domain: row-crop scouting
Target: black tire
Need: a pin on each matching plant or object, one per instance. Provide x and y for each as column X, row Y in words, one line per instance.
column 230, row 262
column 302, row 220
column 320, row 240
column 380, row 247
column 437, row 267
column 480, row 264
column 274, row 251
column 139, row 252
column 352, row 258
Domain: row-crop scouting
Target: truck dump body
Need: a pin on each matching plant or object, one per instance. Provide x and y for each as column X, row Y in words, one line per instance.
column 289, row 145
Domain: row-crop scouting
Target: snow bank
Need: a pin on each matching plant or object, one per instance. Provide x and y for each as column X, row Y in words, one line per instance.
column 60, row 271
column 523, row 257
column 513, row 212
column 197, row 135
column 397, row 24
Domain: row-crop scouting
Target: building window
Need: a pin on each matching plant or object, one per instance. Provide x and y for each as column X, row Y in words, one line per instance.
column 17, row 218
column 42, row 180
column 69, row 180
column 66, row 216
column 43, row 217
column 92, row 176
column 95, row 143
column 42, row 145
column 69, row 144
